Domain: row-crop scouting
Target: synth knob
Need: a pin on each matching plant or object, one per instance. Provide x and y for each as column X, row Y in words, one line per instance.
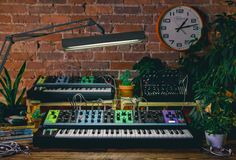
column 54, row 116
column 98, row 120
column 123, row 113
column 92, row 120
column 124, row 120
column 85, row 120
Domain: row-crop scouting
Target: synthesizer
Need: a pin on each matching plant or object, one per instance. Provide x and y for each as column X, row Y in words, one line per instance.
column 113, row 129
column 165, row 86
column 64, row 88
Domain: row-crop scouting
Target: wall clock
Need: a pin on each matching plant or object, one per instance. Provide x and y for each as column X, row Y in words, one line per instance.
column 178, row 26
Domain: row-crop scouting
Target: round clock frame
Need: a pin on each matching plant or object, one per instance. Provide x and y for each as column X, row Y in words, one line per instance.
column 180, row 26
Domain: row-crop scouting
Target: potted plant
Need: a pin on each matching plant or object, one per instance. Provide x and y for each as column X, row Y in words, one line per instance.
column 36, row 117
column 12, row 104
column 214, row 77
column 144, row 66
column 126, row 88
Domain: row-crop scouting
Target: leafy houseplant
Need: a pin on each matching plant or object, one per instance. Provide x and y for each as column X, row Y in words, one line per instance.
column 145, row 65
column 214, row 76
column 36, row 117
column 9, row 90
column 126, row 88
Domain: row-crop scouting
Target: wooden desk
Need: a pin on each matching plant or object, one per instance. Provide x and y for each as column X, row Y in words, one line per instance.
column 128, row 154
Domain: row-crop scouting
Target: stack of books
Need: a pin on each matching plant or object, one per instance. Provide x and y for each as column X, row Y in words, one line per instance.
column 14, row 133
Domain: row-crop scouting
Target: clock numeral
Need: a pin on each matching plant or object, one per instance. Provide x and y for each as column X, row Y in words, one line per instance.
column 193, row 36
column 193, row 20
column 165, row 35
column 172, row 13
column 179, row 44
column 186, row 42
column 195, row 27
column 163, row 27
column 166, row 20
column 179, row 11
column 172, row 41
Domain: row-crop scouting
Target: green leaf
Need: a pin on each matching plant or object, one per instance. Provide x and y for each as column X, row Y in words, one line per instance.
column 20, row 97
column 8, row 79
column 18, row 79
column 5, row 96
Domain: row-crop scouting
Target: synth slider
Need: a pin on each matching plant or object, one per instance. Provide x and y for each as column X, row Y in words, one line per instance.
column 113, row 129
column 64, row 88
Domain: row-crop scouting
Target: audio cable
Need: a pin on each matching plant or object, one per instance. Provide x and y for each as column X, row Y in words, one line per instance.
column 10, row 148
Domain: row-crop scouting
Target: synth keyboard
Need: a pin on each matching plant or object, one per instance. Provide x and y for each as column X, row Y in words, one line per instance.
column 113, row 129
column 64, row 88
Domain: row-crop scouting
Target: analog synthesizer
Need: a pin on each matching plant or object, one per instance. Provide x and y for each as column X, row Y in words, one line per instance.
column 113, row 128
column 165, row 86
column 64, row 88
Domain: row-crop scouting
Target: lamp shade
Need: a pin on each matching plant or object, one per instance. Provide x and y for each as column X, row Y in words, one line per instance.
column 80, row 43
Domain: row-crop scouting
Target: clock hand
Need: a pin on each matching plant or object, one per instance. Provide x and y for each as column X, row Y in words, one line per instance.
column 188, row 26
column 177, row 30
column 180, row 29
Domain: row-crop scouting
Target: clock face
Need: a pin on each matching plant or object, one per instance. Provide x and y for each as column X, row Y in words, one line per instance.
column 179, row 27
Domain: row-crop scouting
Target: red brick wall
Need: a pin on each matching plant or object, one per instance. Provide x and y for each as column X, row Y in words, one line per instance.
column 45, row 56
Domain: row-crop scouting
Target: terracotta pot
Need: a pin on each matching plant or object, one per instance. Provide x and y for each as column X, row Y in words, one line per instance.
column 126, row 91
column 37, row 122
column 215, row 140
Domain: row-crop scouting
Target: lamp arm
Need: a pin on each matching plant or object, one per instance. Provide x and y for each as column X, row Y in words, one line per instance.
column 4, row 59
column 32, row 34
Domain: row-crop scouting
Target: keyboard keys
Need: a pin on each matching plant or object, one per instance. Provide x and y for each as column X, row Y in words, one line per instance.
column 123, row 133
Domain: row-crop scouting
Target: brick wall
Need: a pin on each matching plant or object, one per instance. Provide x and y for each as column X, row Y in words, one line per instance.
column 45, row 56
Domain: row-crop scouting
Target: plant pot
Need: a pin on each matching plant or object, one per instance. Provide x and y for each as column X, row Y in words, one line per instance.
column 126, row 91
column 215, row 140
column 37, row 122
column 14, row 110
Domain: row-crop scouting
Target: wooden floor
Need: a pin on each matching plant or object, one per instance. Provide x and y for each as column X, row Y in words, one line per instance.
column 139, row 154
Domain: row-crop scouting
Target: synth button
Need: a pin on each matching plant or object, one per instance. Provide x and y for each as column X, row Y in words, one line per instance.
column 81, row 112
column 86, row 116
column 93, row 116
